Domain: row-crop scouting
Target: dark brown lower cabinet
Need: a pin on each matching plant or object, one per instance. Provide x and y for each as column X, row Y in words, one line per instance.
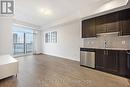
column 112, row 61
column 123, row 63
column 100, row 58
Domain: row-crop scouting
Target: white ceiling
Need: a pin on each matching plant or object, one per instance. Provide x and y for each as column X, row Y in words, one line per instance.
column 28, row 10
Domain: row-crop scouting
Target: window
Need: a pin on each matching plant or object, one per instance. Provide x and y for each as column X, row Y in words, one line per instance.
column 46, row 37
column 51, row 37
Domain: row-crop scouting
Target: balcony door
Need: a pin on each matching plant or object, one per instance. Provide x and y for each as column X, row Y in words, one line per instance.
column 22, row 43
column 28, row 43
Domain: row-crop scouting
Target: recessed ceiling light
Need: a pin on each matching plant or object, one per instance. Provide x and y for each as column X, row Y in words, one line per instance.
column 45, row 11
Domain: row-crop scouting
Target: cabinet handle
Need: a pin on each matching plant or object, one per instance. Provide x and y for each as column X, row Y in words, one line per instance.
column 104, row 52
column 128, row 63
column 107, row 52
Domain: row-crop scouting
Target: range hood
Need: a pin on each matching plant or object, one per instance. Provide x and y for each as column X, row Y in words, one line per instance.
column 106, row 34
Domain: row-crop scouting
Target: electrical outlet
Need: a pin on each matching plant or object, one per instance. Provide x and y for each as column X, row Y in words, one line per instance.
column 123, row 42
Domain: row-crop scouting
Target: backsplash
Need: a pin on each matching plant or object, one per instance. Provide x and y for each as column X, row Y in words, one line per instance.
column 112, row 41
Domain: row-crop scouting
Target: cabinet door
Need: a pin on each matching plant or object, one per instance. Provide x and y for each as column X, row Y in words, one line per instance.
column 101, row 24
column 125, row 22
column 123, row 63
column 84, row 29
column 112, row 21
column 89, row 28
column 100, row 59
column 111, row 61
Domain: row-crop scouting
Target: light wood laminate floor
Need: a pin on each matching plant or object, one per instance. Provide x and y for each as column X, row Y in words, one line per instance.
column 49, row 71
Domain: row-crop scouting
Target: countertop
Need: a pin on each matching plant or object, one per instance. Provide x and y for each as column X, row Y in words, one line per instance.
column 118, row 49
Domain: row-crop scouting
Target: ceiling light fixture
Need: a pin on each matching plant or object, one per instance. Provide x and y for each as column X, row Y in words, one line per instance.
column 45, row 11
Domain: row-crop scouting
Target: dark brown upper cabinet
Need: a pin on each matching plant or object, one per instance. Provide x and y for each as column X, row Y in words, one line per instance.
column 101, row 24
column 84, row 30
column 112, row 22
column 88, row 28
column 124, row 22
column 107, row 23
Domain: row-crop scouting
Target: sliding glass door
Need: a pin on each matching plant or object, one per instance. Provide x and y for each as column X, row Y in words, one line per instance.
column 18, row 43
column 28, row 43
column 22, row 43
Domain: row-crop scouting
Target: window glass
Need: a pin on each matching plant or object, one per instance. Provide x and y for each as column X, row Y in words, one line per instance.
column 51, row 37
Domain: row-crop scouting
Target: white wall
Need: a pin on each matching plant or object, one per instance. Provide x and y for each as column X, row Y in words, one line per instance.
column 68, row 45
column 5, row 35
column 38, row 42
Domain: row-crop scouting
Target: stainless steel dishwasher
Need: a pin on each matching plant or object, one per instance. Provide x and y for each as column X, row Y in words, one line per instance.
column 87, row 58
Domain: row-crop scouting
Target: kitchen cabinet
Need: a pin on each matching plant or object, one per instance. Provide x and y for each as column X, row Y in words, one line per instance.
column 128, row 63
column 113, row 22
column 84, row 30
column 123, row 63
column 88, row 28
column 100, row 58
column 124, row 22
column 101, row 24
column 112, row 61
column 107, row 23
column 107, row 60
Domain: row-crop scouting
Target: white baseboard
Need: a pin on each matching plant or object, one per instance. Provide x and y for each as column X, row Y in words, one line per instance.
column 75, row 59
